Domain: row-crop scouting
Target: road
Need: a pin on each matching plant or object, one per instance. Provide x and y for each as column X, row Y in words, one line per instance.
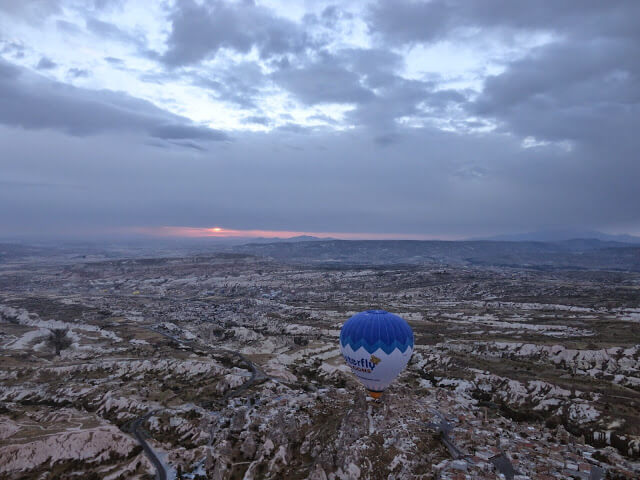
column 443, row 427
column 161, row 471
column 256, row 376
column 501, row 462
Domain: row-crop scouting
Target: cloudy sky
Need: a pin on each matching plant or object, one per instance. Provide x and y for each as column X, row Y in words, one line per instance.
column 390, row 118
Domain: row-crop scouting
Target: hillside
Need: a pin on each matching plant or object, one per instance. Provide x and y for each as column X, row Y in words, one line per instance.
column 571, row 254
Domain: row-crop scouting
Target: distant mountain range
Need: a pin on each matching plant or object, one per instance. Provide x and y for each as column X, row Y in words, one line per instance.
column 577, row 254
column 537, row 250
column 299, row 238
column 561, row 235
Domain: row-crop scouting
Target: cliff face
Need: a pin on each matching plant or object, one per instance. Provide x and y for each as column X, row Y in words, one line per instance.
column 67, row 441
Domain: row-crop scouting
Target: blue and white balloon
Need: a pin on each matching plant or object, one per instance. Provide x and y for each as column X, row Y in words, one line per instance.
column 377, row 345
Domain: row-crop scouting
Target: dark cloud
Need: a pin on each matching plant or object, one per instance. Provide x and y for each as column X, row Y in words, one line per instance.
column 114, row 61
column 38, row 10
column 399, row 99
column 199, row 31
column 386, row 139
column 333, row 14
column 368, row 79
column 240, row 84
column 331, row 18
column 182, row 132
column 33, row 102
column 99, row 5
column 582, row 86
column 30, row 9
column 15, row 49
column 258, row 120
column 68, row 27
column 188, row 144
column 433, row 182
column 296, row 128
column 345, row 76
column 323, row 118
column 578, row 91
column 78, row 72
column 324, row 81
column 410, row 21
column 378, row 67
column 109, row 30
column 46, row 64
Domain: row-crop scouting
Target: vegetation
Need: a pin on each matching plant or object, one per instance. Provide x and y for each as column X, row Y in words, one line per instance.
column 59, row 339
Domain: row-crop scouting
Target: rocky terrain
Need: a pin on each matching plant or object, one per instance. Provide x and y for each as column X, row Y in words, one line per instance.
column 226, row 366
column 578, row 254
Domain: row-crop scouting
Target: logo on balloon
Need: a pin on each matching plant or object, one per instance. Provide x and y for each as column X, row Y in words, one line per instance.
column 362, row 365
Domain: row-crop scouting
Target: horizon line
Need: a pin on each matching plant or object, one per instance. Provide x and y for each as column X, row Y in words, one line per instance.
column 227, row 233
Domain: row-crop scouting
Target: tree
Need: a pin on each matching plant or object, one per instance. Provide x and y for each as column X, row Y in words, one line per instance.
column 59, row 339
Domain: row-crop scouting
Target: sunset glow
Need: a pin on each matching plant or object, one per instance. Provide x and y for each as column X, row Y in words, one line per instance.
column 219, row 232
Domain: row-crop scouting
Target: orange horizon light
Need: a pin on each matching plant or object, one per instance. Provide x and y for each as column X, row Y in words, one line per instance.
column 219, row 232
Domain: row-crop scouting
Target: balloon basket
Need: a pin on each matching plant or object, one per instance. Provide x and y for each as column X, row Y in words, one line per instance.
column 375, row 395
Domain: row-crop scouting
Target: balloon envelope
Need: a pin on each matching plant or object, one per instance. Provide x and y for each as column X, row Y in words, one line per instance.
column 377, row 345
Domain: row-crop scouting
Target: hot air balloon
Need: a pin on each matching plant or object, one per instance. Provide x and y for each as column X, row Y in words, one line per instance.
column 377, row 345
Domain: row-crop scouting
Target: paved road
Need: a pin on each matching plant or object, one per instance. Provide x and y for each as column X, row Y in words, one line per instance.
column 161, row 471
column 256, row 376
column 443, row 427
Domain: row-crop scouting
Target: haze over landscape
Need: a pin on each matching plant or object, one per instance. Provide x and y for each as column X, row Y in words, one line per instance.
column 270, row 239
